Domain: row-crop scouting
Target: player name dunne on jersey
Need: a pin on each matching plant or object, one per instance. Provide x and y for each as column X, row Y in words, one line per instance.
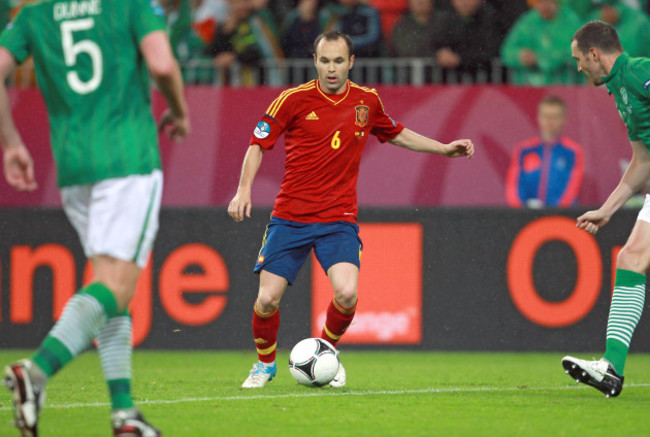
column 67, row 10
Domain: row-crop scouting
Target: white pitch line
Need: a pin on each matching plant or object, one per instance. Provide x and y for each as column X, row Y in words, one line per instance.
column 332, row 393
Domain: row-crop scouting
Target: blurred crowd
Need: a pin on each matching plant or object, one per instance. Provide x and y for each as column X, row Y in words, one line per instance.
column 529, row 37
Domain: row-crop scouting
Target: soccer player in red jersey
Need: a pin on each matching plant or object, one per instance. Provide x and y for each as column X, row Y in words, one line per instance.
column 326, row 123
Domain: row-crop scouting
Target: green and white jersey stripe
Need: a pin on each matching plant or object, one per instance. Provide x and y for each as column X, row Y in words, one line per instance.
column 94, row 81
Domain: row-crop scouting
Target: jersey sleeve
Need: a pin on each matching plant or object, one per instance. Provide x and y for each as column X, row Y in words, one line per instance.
column 640, row 78
column 384, row 127
column 15, row 37
column 147, row 16
column 274, row 122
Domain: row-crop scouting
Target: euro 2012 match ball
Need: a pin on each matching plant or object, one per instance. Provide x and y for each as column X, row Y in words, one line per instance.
column 313, row 362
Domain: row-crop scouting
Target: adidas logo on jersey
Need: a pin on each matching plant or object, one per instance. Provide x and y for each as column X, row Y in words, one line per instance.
column 312, row 116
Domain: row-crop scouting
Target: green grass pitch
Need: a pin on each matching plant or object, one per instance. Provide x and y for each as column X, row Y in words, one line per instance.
column 394, row 393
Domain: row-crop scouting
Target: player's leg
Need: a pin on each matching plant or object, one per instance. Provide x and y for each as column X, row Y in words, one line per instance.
column 104, row 215
column 115, row 347
column 83, row 317
column 285, row 247
column 122, row 231
column 340, row 313
column 624, row 314
column 266, row 323
column 339, row 253
column 344, row 278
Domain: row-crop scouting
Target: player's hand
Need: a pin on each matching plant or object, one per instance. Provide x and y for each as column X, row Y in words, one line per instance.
column 459, row 148
column 592, row 221
column 19, row 168
column 240, row 207
column 176, row 128
column 528, row 58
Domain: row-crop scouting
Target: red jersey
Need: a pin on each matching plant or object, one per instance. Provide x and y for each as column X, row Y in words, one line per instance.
column 324, row 137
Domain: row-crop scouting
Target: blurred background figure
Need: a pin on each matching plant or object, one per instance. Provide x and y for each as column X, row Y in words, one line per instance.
column 361, row 22
column 246, row 37
column 585, row 7
column 192, row 25
column 632, row 25
column 536, row 49
column 301, row 27
column 467, row 40
column 414, row 32
column 547, row 169
column 508, row 11
column 389, row 12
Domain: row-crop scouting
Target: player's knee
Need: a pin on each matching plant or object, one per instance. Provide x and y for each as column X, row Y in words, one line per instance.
column 267, row 302
column 633, row 258
column 346, row 295
column 123, row 295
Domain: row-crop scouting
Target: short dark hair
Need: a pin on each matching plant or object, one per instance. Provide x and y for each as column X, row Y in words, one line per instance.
column 597, row 34
column 552, row 99
column 333, row 35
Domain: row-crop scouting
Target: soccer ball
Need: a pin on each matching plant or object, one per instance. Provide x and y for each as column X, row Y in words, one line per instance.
column 313, row 362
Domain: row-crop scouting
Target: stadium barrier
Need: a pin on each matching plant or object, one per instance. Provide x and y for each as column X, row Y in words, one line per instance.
column 285, row 72
column 434, row 279
column 384, row 71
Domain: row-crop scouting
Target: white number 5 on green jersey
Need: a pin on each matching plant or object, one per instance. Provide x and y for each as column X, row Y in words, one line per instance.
column 72, row 49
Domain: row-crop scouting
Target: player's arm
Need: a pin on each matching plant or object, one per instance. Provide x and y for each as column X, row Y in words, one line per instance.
column 414, row 141
column 634, row 178
column 166, row 73
column 241, row 204
column 17, row 162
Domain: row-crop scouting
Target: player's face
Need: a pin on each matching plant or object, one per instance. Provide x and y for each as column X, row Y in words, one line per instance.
column 588, row 64
column 333, row 63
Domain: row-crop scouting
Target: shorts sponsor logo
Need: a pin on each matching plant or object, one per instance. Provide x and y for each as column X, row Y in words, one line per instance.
column 262, row 130
column 260, row 260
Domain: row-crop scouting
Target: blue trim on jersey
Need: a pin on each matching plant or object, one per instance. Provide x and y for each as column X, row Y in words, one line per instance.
column 287, row 244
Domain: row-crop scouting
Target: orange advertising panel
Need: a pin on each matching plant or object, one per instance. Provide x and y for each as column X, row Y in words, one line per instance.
column 390, row 287
column 520, row 272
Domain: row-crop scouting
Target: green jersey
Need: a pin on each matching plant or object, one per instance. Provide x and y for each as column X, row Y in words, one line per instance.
column 629, row 82
column 94, row 81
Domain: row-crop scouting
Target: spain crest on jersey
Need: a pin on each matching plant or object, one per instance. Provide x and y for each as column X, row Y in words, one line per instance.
column 362, row 115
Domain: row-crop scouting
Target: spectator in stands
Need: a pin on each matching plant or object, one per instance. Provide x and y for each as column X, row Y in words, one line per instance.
column 547, row 169
column 301, row 27
column 584, row 8
column 282, row 8
column 632, row 25
column 508, row 11
column 389, row 12
column 467, row 39
column 415, row 31
column 246, row 37
column 5, row 13
column 535, row 48
column 206, row 16
column 263, row 11
column 361, row 22
column 187, row 37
